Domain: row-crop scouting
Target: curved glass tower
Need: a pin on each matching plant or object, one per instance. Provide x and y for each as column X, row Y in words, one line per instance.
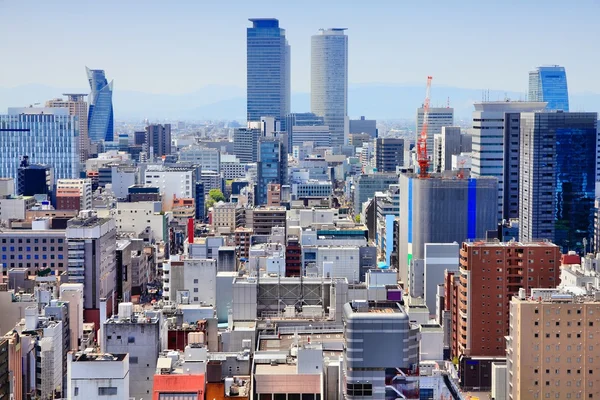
column 549, row 84
column 100, row 115
column 329, row 80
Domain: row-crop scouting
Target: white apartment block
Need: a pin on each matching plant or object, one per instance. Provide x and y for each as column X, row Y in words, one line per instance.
column 207, row 158
column 233, row 170
column 97, row 376
column 224, row 216
column 172, row 182
column 136, row 217
column 190, row 281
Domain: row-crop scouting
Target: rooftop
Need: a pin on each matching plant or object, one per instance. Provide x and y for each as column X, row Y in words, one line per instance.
column 494, row 243
column 85, row 356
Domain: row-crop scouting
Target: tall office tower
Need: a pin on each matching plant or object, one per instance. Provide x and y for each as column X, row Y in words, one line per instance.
column 34, row 179
column 100, row 115
column 490, row 274
column 438, row 117
column 495, row 148
column 549, row 84
column 78, row 107
column 306, row 127
column 270, row 166
column 558, row 177
column 245, row 144
column 451, row 144
column 158, row 139
column 48, row 136
column 442, row 209
column 92, row 247
column 329, row 81
column 363, row 125
column 389, row 154
column 551, row 350
column 268, row 70
column 367, row 184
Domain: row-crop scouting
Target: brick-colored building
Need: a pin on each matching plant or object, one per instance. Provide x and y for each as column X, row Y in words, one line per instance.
column 490, row 274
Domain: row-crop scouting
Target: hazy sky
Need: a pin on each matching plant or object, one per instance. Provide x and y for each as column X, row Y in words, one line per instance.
column 177, row 46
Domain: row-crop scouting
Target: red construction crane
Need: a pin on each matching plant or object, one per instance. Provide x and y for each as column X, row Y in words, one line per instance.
column 422, row 157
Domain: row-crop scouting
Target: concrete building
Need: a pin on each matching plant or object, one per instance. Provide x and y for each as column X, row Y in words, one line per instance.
column 550, row 348
column 142, row 336
column 490, row 274
column 78, row 107
column 329, row 81
column 122, row 178
column 363, row 126
column 225, row 216
column 451, row 144
column 367, row 184
column 438, row 117
column 173, row 182
column 74, row 194
column 182, row 376
column 95, row 375
column 245, row 144
column 190, row 281
column 158, row 139
column 439, row 257
column 389, row 154
column 372, row 357
column 263, row 219
column 556, row 199
column 15, row 207
column 73, row 294
column 34, row 179
column 442, row 209
column 91, row 245
column 207, row 158
column 137, row 217
column 496, row 133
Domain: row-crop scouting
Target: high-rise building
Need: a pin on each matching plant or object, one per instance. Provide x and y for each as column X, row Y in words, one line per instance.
column 307, row 127
column 173, row 182
column 389, row 154
column 551, row 348
column 34, row 179
column 442, row 209
column 451, row 144
column 158, row 139
column 558, row 164
column 363, row 125
column 490, row 274
column 437, row 118
column 92, row 252
column 495, row 148
column 271, row 166
column 549, row 84
column 268, row 70
column 245, row 144
column 77, row 107
column 367, row 184
column 100, row 115
column 52, row 138
column 329, row 81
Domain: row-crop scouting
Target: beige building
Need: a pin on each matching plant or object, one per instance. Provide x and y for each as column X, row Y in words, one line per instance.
column 74, row 194
column 78, row 107
column 553, row 347
column 224, row 216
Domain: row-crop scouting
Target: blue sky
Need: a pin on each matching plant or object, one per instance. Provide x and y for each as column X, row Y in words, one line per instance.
column 178, row 46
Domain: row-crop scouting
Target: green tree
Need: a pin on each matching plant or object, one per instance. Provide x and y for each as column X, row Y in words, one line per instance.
column 357, row 219
column 214, row 196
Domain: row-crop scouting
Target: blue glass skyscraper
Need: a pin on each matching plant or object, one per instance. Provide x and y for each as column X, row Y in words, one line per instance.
column 557, row 177
column 271, row 166
column 100, row 115
column 549, row 84
column 268, row 70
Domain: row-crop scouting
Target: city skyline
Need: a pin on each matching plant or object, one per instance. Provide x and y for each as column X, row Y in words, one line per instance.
column 186, row 26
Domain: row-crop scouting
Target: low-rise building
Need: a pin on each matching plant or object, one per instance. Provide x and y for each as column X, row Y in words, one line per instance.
column 92, row 375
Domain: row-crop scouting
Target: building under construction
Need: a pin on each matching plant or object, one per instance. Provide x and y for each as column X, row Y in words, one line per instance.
column 442, row 208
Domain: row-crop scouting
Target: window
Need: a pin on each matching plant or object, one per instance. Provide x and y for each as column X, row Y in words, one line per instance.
column 195, row 280
column 133, row 360
column 131, row 339
column 107, row 391
column 75, row 391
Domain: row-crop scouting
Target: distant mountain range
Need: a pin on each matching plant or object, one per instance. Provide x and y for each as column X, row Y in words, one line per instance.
column 380, row 101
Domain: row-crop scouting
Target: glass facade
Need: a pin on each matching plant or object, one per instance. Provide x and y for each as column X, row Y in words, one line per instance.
column 270, row 162
column 47, row 135
column 268, row 70
column 550, row 84
column 100, row 114
column 329, row 81
column 558, row 178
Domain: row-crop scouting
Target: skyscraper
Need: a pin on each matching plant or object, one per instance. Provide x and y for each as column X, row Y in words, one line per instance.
column 77, row 106
column 389, row 154
column 271, row 166
column 496, row 148
column 557, row 177
column 268, row 70
column 549, row 83
column 158, row 138
column 100, row 115
column 48, row 136
column 438, row 117
column 329, row 81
